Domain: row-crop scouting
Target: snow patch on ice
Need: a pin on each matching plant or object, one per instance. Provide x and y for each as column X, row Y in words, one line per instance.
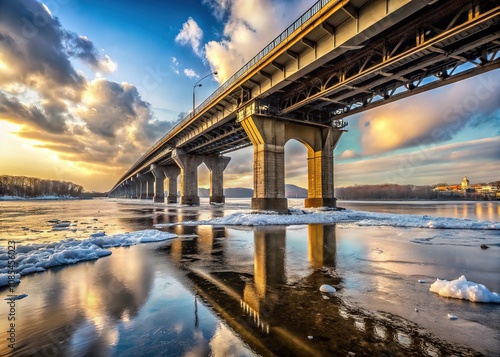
column 361, row 218
column 33, row 258
column 466, row 290
column 4, row 279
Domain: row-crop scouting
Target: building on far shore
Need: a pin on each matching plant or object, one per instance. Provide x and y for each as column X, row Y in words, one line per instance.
column 466, row 190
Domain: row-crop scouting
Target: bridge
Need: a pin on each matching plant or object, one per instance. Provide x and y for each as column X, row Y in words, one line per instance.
column 339, row 58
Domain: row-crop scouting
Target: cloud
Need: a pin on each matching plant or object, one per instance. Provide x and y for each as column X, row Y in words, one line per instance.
column 432, row 118
column 445, row 163
column 348, row 154
column 100, row 124
column 191, row 34
column 188, row 72
column 243, row 35
column 81, row 47
column 14, row 111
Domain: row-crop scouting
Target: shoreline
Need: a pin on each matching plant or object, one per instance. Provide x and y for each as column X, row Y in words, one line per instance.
column 42, row 198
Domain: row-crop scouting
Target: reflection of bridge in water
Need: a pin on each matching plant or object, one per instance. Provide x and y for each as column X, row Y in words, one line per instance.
column 341, row 57
column 254, row 287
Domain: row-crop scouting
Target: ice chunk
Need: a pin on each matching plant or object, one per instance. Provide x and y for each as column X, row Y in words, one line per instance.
column 38, row 257
column 466, row 290
column 4, row 278
column 327, row 289
column 317, row 216
column 452, row 317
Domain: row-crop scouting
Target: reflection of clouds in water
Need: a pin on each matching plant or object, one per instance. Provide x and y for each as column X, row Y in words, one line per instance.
column 200, row 346
column 225, row 343
column 96, row 331
column 178, row 327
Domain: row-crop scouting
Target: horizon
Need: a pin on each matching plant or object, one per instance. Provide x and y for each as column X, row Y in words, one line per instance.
column 112, row 87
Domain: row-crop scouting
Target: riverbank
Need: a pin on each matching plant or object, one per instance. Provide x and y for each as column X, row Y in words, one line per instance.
column 42, row 198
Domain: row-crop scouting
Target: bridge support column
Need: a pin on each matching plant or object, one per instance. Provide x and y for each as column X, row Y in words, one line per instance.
column 141, row 187
column 189, row 177
column 150, row 183
column 171, row 172
column 320, row 169
column 268, row 136
column 268, row 139
column 217, row 165
column 159, row 188
column 130, row 188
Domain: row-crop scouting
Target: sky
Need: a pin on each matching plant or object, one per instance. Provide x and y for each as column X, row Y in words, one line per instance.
column 87, row 86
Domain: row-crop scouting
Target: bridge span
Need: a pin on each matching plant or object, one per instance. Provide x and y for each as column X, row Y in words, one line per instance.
column 339, row 58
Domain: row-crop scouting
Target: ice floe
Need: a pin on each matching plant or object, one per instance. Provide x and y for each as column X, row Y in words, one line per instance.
column 38, row 257
column 466, row 290
column 327, row 289
column 361, row 218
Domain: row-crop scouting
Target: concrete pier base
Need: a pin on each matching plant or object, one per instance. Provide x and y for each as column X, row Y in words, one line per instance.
column 217, row 199
column 193, row 200
column 270, row 204
column 172, row 199
column 320, row 202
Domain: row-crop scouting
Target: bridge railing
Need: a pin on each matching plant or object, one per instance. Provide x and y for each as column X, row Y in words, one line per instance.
column 263, row 53
column 254, row 61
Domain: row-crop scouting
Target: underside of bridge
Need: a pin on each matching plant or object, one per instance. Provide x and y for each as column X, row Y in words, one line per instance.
column 338, row 59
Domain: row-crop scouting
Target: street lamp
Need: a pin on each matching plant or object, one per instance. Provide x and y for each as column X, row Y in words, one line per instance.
column 198, row 84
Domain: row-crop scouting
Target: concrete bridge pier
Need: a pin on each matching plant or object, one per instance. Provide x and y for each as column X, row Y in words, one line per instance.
column 216, row 165
column 269, row 136
column 150, row 190
column 171, row 172
column 130, row 187
column 159, row 188
column 320, row 168
column 189, row 177
column 268, row 139
column 141, row 186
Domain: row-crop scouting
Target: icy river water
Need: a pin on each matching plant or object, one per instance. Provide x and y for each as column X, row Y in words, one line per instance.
column 118, row 277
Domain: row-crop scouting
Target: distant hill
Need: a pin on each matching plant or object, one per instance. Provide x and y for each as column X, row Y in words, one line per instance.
column 238, row 192
column 291, row 191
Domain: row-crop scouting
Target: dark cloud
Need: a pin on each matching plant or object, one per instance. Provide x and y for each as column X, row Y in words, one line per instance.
column 13, row 110
column 33, row 49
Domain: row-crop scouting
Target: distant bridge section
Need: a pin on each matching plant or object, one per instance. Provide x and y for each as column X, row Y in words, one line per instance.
column 339, row 58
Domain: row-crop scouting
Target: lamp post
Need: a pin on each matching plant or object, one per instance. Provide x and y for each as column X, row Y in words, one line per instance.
column 198, row 84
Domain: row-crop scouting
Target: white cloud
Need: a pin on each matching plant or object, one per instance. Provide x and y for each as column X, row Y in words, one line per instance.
column 250, row 26
column 107, row 65
column 348, row 154
column 188, row 72
column 191, row 34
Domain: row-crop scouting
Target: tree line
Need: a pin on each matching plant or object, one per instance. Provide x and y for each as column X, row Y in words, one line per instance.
column 22, row 186
column 386, row 192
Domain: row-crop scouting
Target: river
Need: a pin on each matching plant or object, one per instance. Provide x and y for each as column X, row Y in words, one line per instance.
column 215, row 287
